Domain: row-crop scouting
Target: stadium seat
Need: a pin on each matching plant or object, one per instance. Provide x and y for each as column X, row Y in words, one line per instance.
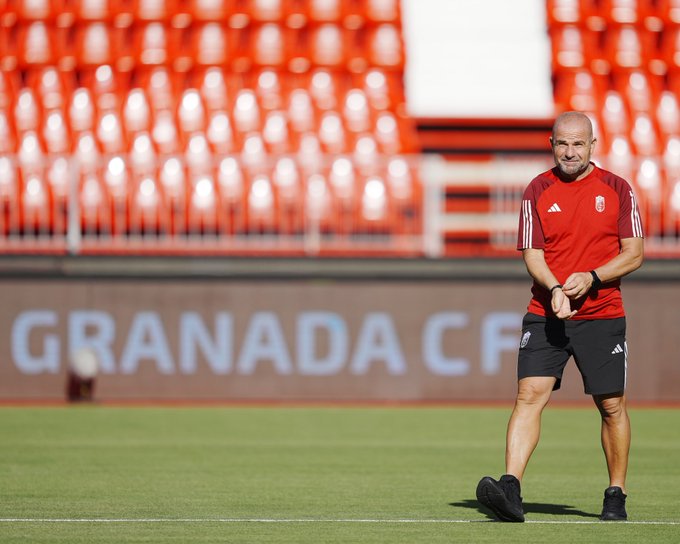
column 27, row 110
column 58, row 176
column 136, row 111
column 191, row 112
column 164, row 132
column 570, row 47
column 300, row 110
column 197, row 153
column 202, row 215
column 86, row 151
column 387, row 133
column 261, row 206
column 81, row 110
column 269, row 89
column 385, row 48
column 639, row 89
column 38, row 44
column 327, row 46
column 148, row 214
column 231, row 186
column 326, row 11
column 268, row 46
column 94, row 10
column 52, row 11
column 219, row 133
column 318, row 207
column 254, row 153
column 7, row 134
column 342, row 178
column 382, row 11
column 94, row 206
column 10, row 220
column 615, row 120
column 52, row 86
column 332, row 133
column 31, row 153
column 142, row 153
column 356, row 111
column 98, row 44
column 209, row 10
column 210, row 45
column 621, row 12
column 212, row 85
column 246, row 113
column 365, row 153
column 55, row 132
column 668, row 113
column 624, row 48
column 173, row 183
column 110, row 132
column 562, row 12
column 266, row 11
column 9, row 85
column 36, row 205
column 644, row 135
column 669, row 11
column 324, row 89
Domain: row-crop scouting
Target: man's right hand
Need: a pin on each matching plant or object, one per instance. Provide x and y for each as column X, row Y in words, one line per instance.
column 561, row 305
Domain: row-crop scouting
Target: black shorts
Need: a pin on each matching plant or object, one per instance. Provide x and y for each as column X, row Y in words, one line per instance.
column 598, row 346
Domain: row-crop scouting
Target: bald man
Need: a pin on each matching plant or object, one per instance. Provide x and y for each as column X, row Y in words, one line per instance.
column 579, row 233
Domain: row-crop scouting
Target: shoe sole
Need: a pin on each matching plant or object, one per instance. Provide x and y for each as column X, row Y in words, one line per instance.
column 613, row 517
column 490, row 496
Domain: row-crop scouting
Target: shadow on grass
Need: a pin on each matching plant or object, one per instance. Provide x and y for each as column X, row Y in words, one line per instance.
column 529, row 508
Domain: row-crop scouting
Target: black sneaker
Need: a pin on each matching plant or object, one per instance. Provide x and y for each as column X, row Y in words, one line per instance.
column 614, row 505
column 501, row 497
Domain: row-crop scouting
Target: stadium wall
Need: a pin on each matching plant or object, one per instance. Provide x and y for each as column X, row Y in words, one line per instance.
column 301, row 339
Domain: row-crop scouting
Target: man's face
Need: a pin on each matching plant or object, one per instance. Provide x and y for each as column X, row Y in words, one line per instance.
column 572, row 145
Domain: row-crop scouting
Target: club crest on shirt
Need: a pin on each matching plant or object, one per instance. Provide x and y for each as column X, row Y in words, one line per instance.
column 525, row 339
column 599, row 203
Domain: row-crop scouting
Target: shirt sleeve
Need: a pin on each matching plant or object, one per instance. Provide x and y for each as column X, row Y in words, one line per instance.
column 530, row 232
column 630, row 222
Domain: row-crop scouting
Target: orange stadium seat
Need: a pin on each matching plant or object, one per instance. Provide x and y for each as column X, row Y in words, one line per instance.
column 36, row 205
column 136, row 111
column 261, row 211
column 39, row 10
column 27, row 110
column 385, row 48
column 7, row 133
column 219, row 133
column 10, row 221
column 669, row 11
column 210, row 44
column 382, row 11
column 52, row 86
column 94, row 205
column 58, row 175
column 55, row 132
column 210, row 10
column 110, row 131
column 203, row 216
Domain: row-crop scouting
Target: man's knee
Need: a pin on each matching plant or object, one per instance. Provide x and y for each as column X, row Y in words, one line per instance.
column 535, row 391
column 611, row 406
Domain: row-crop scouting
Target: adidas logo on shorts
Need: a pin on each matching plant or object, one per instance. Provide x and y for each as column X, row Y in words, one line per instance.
column 617, row 349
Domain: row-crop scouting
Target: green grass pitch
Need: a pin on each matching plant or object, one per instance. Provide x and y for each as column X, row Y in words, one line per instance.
column 104, row 474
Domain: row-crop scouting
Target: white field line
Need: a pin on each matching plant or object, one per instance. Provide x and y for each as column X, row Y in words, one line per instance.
column 303, row 520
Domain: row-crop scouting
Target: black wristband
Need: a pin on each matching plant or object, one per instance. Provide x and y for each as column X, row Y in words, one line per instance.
column 597, row 282
column 558, row 286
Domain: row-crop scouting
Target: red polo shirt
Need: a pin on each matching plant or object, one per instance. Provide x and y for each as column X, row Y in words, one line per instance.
column 578, row 225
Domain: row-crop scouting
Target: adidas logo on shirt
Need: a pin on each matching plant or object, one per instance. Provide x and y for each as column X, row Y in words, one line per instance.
column 617, row 349
column 554, row 208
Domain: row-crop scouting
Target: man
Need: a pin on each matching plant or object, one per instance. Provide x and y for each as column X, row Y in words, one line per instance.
column 579, row 233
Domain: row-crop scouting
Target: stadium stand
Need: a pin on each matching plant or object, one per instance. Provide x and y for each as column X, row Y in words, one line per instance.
column 206, row 126
column 280, row 127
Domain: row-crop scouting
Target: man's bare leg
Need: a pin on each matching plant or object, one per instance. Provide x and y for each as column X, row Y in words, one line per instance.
column 524, row 427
